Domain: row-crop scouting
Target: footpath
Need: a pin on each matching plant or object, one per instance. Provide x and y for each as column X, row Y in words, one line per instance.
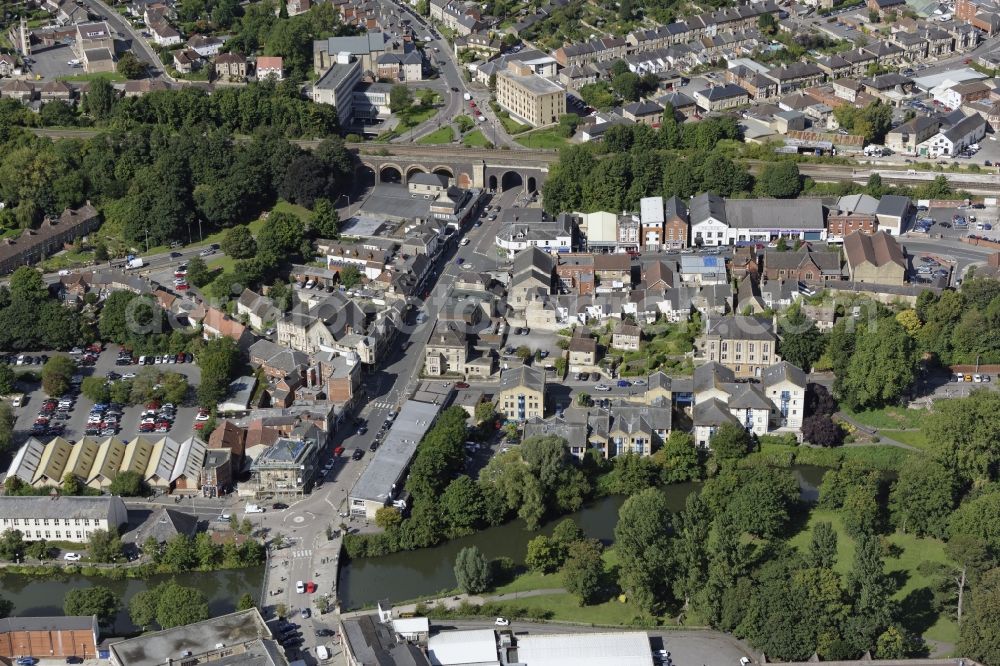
column 457, row 600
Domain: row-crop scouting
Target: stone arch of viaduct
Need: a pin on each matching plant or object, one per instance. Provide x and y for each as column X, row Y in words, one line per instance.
column 498, row 177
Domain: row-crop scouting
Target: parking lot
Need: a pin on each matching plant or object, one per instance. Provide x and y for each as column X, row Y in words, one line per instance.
column 53, row 62
column 75, row 421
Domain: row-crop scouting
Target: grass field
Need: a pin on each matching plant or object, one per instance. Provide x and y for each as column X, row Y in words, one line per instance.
column 903, row 568
column 476, row 139
column 543, row 139
column 443, row 135
column 915, row 438
column 256, row 225
column 566, row 608
column 511, row 125
column 892, row 418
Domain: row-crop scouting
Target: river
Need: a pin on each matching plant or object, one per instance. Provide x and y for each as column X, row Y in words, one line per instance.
column 34, row 595
column 429, row 571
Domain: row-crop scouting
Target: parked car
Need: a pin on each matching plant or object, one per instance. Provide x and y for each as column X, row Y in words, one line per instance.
column 72, row 557
column 502, row 622
column 358, row 454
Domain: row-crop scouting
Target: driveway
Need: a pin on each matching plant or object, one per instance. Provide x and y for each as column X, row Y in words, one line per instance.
column 53, row 62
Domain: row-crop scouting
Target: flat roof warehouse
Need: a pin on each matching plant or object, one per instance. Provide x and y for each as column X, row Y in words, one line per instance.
column 388, row 468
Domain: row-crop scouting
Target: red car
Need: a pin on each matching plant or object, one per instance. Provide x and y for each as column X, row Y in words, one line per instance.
column 153, row 405
column 461, row 385
column 200, row 425
column 338, row 451
column 182, row 286
column 147, row 427
column 310, row 587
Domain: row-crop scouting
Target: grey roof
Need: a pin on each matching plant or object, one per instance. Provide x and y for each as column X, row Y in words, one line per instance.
column 45, row 507
column 964, row 126
column 678, row 99
column 893, row 205
column 374, row 644
column 858, row 203
column 355, row 45
column 628, row 418
column 435, row 179
column 243, row 628
column 723, row 92
column 712, row 413
column 388, row 466
column 164, row 524
column 707, row 205
column 675, row 208
column 775, row 214
column 711, row 375
column 335, row 76
column 522, row 376
column 737, row 327
column 283, row 453
column 746, row 396
column 783, row 371
column 575, row 434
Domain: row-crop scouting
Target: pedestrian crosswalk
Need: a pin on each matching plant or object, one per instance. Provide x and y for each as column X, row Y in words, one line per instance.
column 380, row 405
column 304, row 552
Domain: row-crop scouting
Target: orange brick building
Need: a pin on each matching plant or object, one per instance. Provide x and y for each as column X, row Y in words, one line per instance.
column 49, row 637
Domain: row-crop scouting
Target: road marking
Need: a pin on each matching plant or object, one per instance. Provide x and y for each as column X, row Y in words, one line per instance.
column 302, row 553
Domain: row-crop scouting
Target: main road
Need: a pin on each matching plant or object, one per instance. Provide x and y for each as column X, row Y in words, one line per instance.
column 140, row 46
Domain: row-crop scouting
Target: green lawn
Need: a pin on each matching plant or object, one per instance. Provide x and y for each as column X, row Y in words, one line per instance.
column 881, row 457
column 443, row 135
column 890, row 417
column 915, row 438
column 543, row 139
column 903, row 568
column 476, row 139
column 221, row 264
column 566, row 608
column 256, row 225
column 511, row 125
column 415, row 116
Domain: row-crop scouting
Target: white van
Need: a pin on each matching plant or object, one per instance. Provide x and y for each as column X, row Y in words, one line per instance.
column 142, row 360
column 253, row 508
column 322, row 653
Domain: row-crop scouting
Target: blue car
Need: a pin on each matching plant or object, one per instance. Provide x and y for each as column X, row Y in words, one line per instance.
column 460, row 261
column 26, row 661
column 622, row 383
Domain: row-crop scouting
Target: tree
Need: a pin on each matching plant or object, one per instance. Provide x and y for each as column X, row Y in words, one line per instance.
column 779, row 179
column 963, row 434
column 642, row 540
column 462, row 506
column 400, row 99
column 819, row 429
column 977, row 638
column 801, row 342
column 976, row 517
column 567, row 532
column 822, row 551
column 767, row 24
column 130, row 66
column 881, row 367
column 7, row 379
column 874, row 187
column 142, row 608
column 862, row 513
column 198, row 273
column 56, row 375
column 388, row 517
column 472, row 570
column 922, row 499
column 238, row 242
column 583, row 571
column 128, row 484
column 730, row 441
column 971, row 557
column 325, row 223
column 40, row 550
column 544, row 554
column 100, row 99
column 71, row 484
column 104, row 545
column 6, row 606
column 245, row 602
column 679, row 458
column 349, row 276
column 6, row 426
column 485, row 412
column 177, row 605
column 217, row 360
column 96, row 389
column 96, row 600
column 691, row 548
column 280, row 237
column 871, row 590
column 11, row 545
